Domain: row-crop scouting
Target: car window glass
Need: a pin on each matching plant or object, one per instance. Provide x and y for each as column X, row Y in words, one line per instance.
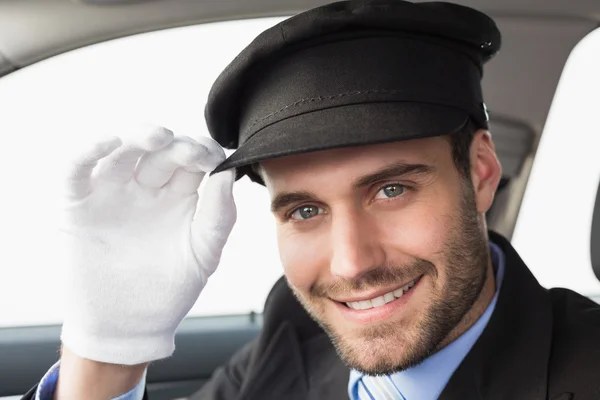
column 595, row 236
column 48, row 108
column 553, row 234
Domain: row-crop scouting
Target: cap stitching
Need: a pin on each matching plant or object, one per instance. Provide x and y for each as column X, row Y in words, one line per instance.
column 321, row 98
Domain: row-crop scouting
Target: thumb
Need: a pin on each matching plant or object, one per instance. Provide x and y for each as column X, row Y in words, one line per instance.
column 214, row 221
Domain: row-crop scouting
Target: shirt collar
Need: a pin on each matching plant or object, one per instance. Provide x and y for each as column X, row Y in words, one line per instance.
column 428, row 379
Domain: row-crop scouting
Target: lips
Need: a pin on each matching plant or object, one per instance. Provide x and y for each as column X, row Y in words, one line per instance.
column 382, row 300
column 373, row 311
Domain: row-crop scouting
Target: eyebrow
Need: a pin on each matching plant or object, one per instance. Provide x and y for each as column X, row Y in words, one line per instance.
column 395, row 170
column 284, row 199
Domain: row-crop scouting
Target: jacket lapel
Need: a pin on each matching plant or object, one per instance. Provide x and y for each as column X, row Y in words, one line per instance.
column 510, row 359
column 327, row 375
column 288, row 369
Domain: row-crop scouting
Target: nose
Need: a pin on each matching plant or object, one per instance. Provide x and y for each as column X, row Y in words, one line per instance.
column 355, row 245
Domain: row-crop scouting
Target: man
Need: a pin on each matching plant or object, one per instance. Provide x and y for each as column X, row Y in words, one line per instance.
column 366, row 123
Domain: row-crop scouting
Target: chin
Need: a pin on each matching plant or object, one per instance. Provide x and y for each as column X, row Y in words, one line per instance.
column 380, row 350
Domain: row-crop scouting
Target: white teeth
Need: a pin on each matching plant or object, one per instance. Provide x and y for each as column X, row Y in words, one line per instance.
column 365, row 304
column 389, row 297
column 381, row 300
column 378, row 301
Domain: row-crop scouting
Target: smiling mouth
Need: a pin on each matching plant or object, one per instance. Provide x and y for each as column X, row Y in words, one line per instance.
column 382, row 300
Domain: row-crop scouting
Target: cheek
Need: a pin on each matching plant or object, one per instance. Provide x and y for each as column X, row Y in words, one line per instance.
column 303, row 257
column 419, row 231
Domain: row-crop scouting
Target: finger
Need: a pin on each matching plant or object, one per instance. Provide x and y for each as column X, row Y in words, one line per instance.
column 216, row 154
column 155, row 169
column 214, row 220
column 185, row 180
column 79, row 171
column 120, row 165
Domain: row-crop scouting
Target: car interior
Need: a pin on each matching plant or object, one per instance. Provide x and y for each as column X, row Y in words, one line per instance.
column 595, row 236
column 519, row 86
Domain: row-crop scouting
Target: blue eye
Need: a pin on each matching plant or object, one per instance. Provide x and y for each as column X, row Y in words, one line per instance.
column 390, row 191
column 305, row 212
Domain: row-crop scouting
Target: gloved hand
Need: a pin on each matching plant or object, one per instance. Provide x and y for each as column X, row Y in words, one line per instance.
column 136, row 252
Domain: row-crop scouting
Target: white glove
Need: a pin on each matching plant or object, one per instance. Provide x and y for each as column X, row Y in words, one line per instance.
column 136, row 258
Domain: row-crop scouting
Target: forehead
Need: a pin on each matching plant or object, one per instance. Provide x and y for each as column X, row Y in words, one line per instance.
column 352, row 162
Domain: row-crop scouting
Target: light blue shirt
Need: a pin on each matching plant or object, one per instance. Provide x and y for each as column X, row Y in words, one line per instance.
column 423, row 382
column 427, row 380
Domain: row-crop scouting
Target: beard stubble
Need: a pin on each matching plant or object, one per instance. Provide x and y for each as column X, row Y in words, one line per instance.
column 465, row 256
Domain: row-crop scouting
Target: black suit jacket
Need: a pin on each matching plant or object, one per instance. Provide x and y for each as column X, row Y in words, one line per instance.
column 539, row 344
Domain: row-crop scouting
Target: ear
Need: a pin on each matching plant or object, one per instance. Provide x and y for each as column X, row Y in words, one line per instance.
column 486, row 170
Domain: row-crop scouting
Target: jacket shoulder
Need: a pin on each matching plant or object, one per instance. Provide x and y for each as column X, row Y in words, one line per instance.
column 227, row 380
column 575, row 355
column 272, row 362
column 576, row 318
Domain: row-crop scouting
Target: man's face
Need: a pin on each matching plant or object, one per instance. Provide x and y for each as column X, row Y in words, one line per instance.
column 384, row 245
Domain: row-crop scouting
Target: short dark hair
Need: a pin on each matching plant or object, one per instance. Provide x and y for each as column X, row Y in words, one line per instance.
column 460, row 141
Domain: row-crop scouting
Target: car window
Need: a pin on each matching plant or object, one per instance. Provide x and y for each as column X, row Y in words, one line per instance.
column 553, row 234
column 595, row 236
column 163, row 77
column 160, row 77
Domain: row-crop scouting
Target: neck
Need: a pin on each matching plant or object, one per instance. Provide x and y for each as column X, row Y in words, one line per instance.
column 481, row 303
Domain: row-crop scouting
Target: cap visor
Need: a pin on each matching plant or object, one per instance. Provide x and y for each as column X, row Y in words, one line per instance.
column 345, row 126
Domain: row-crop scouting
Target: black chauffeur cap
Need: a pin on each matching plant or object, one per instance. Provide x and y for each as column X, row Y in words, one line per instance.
column 352, row 73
